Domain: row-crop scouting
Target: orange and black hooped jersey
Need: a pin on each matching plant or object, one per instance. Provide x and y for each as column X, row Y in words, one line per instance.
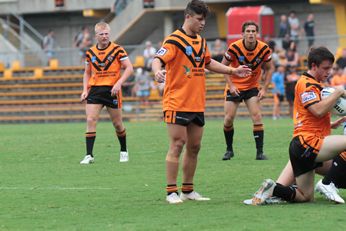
column 105, row 64
column 185, row 58
column 238, row 55
column 307, row 93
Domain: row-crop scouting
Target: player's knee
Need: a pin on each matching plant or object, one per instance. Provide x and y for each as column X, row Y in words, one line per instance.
column 194, row 148
column 229, row 119
column 118, row 126
column 92, row 119
column 177, row 145
column 256, row 117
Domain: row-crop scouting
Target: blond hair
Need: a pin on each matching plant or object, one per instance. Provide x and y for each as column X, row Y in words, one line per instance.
column 101, row 26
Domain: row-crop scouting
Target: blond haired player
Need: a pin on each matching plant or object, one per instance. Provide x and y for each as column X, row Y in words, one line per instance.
column 102, row 87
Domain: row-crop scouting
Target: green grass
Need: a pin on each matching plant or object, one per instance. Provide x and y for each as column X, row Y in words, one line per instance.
column 43, row 186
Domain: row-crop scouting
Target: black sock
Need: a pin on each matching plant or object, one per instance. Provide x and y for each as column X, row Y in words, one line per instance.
column 122, row 140
column 90, row 140
column 229, row 132
column 288, row 193
column 258, row 134
column 336, row 173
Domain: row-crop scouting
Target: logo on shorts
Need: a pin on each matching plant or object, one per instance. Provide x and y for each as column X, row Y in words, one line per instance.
column 188, row 50
column 307, row 96
column 115, row 102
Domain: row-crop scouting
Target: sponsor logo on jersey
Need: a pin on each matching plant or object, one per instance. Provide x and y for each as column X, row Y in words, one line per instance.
column 161, row 52
column 241, row 58
column 93, row 59
column 307, row 96
column 187, row 71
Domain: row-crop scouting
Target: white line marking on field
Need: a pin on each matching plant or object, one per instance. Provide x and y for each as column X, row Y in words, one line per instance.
column 54, row 188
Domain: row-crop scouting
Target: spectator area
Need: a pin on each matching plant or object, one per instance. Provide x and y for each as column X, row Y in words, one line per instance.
column 54, row 96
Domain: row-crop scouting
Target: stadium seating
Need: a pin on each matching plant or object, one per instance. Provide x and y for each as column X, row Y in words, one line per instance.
column 53, row 95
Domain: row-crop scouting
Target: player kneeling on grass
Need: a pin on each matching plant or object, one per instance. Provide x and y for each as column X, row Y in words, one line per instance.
column 312, row 143
column 333, row 171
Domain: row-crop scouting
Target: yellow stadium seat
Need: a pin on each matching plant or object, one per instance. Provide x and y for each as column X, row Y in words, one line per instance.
column 139, row 61
column 15, row 65
column 38, row 73
column 54, row 63
column 2, row 66
column 8, row 74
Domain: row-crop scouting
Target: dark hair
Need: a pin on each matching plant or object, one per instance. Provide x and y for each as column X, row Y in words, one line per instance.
column 248, row 23
column 318, row 55
column 197, row 7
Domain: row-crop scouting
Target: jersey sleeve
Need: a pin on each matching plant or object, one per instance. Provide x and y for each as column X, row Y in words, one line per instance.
column 166, row 53
column 267, row 55
column 308, row 94
column 207, row 57
column 229, row 54
column 122, row 54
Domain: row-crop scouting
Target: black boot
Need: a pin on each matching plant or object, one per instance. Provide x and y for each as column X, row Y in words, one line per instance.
column 228, row 155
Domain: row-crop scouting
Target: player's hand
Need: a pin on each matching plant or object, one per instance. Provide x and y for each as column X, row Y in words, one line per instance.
column 338, row 122
column 261, row 94
column 83, row 96
column 242, row 71
column 234, row 91
column 341, row 90
column 160, row 76
column 115, row 89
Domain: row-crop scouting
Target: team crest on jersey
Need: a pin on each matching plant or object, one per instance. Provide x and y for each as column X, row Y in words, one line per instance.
column 110, row 58
column 93, row 59
column 188, row 50
column 241, row 58
column 258, row 60
column 161, row 52
column 307, row 96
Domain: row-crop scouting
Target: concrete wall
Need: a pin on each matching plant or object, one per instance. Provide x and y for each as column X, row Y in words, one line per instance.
column 44, row 6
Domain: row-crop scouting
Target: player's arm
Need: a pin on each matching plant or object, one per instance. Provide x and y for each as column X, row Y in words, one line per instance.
column 217, row 67
column 268, row 71
column 159, row 73
column 324, row 106
column 86, row 77
column 233, row 89
column 126, row 65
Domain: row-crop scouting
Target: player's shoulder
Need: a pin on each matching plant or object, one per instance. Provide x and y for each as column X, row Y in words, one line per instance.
column 261, row 44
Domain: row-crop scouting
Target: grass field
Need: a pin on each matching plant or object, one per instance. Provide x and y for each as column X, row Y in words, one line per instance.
column 43, row 186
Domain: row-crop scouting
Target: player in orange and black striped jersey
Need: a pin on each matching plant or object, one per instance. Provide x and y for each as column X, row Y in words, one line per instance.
column 102, row 87
column 312, row 143
column 185, row 54
column 255, row 54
